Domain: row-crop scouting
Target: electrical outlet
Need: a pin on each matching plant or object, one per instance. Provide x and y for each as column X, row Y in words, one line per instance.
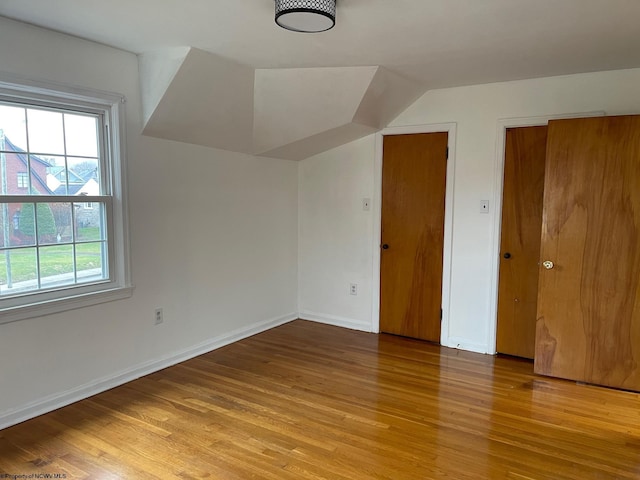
column 353, row 289
column 159, row 316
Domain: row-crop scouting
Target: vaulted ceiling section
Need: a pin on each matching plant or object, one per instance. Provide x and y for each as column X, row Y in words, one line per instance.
column 194, row 96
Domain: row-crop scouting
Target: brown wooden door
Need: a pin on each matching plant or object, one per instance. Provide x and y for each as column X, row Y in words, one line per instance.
column 525, row 152
column 588, row 326
column 413, row 200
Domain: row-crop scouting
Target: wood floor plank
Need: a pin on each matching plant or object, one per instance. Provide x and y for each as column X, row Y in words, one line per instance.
column 310, row 401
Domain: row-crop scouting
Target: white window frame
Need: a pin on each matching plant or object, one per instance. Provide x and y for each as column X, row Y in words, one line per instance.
column 112, row 108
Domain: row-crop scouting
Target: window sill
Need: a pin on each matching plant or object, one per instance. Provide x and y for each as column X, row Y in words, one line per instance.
column 22, row 312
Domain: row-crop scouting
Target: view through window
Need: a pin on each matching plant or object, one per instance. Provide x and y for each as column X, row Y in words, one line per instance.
column 54, row 202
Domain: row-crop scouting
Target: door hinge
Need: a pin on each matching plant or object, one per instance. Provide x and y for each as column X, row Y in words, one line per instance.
column 447, row 153
column 441, row 314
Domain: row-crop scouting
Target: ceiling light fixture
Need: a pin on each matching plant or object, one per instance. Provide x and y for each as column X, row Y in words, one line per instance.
column 308, row 16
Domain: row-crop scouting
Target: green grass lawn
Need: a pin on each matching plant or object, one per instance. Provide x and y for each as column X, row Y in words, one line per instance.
column 54, row 260
column 87, row 234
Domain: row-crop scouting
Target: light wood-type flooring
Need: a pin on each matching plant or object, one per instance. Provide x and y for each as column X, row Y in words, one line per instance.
column 310, row 401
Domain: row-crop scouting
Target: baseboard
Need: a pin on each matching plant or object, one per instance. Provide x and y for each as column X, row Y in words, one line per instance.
column 464, row 344
column 337, row 321
column 62, row 399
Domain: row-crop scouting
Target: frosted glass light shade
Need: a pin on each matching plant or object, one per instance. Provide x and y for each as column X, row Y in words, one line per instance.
column 309, row 16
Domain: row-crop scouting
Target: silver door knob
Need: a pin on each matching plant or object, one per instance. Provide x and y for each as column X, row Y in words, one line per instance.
column 548, row 264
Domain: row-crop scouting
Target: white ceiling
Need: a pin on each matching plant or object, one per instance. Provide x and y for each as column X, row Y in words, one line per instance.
column 421, row 45
column 439, row 42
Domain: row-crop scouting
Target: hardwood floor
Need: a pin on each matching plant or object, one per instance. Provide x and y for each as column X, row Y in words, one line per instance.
column 310, row 401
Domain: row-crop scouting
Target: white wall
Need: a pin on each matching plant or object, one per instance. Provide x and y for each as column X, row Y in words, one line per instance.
column 214, row 242
column 336, row 243
column 477, row 110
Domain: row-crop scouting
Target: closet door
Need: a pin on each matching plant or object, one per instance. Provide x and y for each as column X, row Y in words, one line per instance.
column 524, row 161
column 414, row 170
column 588, row 325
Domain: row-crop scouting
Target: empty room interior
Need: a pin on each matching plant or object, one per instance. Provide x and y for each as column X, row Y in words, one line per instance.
column 320, row 239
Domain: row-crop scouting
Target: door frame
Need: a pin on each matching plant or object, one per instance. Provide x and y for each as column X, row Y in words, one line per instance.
column 450, row 129
column 501, row 137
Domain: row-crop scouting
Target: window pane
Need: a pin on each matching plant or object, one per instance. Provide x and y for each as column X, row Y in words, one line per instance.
column 60, row 213
column 81, row 135
column 56, row 266
column 89, row 224
column 48, row 175
column 45, row 132
column 39, row 175
column 18, row 271
column 13, row 125
column 14, row 171
column 90, row 260
column 23, row 217
column 11, row 216
column 84, row 176
column 45, row 224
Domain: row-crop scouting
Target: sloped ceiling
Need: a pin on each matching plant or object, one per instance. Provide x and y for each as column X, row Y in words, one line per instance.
column 193, row 96
column 157, row 71
column 207, row 101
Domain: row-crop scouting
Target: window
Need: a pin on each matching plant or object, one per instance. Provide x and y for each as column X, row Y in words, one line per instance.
column 63, row 225
column 23, row 180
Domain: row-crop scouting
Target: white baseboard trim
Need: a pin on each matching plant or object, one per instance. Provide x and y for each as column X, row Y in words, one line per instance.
column 62, row 399
column 464, row 344
column 336, row 321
